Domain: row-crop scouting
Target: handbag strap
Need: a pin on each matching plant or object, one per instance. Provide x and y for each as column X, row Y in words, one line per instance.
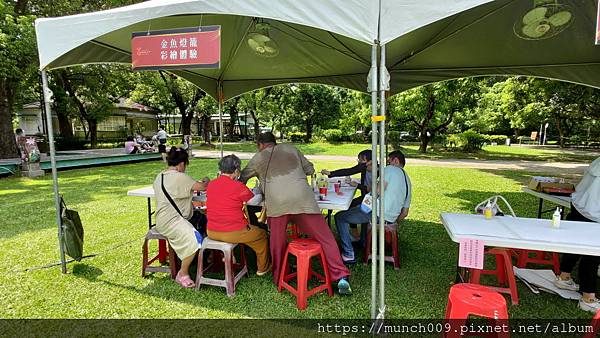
column 267, row 174
column 406, row 183
column 162, row 185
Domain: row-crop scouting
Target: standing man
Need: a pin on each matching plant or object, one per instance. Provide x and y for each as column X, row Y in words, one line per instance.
column 397, row 203
column 162, row 136
column 282, row 171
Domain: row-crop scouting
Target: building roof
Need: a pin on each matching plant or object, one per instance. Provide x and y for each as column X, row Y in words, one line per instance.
column 122, row 104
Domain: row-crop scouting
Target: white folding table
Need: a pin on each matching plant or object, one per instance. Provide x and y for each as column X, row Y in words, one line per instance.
column 525, row 233
column 333, row 201
column 564, row 201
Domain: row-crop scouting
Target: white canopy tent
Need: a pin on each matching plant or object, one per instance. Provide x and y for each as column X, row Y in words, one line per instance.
column 336, row 42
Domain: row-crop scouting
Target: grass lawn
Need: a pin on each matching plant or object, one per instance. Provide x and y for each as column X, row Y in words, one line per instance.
column 499, row 152
column 109, row 285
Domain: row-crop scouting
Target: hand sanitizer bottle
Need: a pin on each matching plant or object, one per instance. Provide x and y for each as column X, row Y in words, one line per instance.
column 487, row 211
column 556, row 218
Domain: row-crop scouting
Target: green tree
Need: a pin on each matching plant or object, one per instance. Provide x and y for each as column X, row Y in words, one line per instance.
column 207, row 106
column 431, row 108
column 17, row 58
column 315, row 105
column 18, row 53
column 355, row 112
column 93, row 91
column 169, row 94
column 255, row 103
column 567, row 106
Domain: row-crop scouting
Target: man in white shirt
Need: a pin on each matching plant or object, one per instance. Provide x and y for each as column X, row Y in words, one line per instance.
column 397, row 203
column 162, row 136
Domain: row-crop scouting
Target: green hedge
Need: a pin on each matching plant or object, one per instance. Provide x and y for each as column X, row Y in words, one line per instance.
column 499, row 139
column 335, row 135
column 469, row 141
column 297, row 136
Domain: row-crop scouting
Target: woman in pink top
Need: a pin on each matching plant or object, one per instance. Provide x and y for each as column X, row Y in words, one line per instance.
column 131, row 147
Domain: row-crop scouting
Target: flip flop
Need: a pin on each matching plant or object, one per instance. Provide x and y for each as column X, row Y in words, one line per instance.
column 185, row 282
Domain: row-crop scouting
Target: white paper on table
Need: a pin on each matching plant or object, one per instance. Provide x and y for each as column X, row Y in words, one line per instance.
column 342, row 179
column 544, row 279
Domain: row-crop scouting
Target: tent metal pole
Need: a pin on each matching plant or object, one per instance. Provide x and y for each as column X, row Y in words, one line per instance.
column 382, row 161
column 373, row 81
column 220, row 96
column 46, row 92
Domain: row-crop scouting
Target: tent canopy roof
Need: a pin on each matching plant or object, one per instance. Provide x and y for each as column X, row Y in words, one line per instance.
column 329, row 41
column 320, row 41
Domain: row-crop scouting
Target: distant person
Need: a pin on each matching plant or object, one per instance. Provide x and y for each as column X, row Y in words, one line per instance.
column 397, row 199
column 19, row 134
column 162, row 136
column 175, row 218
column 363, row 167
column 224, row 208
column 585, row 207
column 144, row 145
column 131, row 147
column 282, row 171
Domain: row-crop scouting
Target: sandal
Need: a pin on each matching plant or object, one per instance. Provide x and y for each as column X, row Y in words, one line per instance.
column 185, row 281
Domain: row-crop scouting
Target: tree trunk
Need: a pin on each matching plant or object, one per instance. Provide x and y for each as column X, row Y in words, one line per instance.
column 93, row 127
column 424, row 141
column 256, row 125
column 233, row 117
column 561, row 133
column 206, row 129
column 186, row 123
column 8, row 145
column 65, row 128
column 309, row 130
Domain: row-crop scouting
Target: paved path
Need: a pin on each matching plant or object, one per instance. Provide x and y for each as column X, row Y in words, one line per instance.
column 530, row 166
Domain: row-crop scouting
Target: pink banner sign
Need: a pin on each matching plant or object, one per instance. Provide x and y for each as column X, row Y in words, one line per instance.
column 197, row 47
column 470, row 253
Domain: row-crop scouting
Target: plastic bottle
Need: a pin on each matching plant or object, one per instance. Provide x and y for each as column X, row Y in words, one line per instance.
column 487, row 211
column 556, row 218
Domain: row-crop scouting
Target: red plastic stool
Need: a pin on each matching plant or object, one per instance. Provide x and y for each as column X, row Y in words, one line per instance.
column 470, row 299
column 304, row 249
column 595, row 326
column 161, row 257
column 391, row 238
column 503, row 272
column 540, row 257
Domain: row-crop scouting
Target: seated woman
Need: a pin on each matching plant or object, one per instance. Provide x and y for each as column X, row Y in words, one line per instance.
column 584, row 208
column 131, row 147
column 173, row 191
column 225, row 198
column 144, row 145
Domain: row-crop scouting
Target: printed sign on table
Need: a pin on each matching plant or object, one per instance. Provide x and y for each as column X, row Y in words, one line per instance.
column 196, row 47
column 470, row 253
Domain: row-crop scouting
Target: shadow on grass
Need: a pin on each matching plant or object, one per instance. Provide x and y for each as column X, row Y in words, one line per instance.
column 28, row 204
column 86, row 271
column 418, row 290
